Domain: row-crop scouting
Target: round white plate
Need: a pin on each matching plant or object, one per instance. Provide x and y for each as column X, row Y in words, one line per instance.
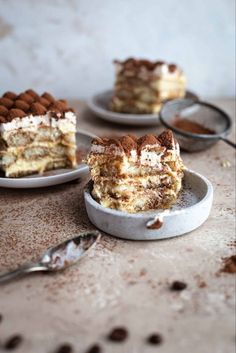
column 191, row 210
column 57, row 176
column 99, row 105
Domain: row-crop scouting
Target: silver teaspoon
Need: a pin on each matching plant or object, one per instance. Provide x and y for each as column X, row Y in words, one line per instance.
column 59, row 257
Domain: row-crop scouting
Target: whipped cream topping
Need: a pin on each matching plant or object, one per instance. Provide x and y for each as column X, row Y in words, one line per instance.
column 30, row 121
column 149, row 156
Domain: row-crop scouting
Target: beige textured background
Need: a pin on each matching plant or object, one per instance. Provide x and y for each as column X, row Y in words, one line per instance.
column 67, row 46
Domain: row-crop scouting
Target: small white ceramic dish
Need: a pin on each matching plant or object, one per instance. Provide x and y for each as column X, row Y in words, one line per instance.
column 53, row 177
column 190, row 212
column 99, row 105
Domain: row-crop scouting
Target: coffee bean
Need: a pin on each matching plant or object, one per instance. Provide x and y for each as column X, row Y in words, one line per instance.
column 178, row 285
column 1, row 317
column 94, row 349
column 64, row 348
column 118, row 334
column 155, row 338
column 13, row 342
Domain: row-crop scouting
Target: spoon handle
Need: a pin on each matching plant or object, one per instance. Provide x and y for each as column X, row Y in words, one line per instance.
column 22, row 271
column 232, row 144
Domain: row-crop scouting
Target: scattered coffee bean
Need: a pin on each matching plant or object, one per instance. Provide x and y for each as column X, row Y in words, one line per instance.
column 64, row 348
column 178, row 285
column 155, row 338
column 1, row 317
column 118, row 334
column 13, row 342
column 94, row 349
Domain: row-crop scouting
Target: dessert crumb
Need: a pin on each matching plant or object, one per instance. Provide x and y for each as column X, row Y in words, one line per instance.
column 225, row 164
column 202, row 284
column 142, row 272
column 229, row 264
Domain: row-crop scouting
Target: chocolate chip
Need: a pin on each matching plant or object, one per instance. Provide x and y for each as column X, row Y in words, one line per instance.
column 13, row 342
column 94, row 349
column 64, row 348
column 178, row 285
column 118, row 334
column 155, row 338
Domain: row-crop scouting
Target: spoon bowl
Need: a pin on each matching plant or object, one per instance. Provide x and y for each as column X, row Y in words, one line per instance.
column 59, row 257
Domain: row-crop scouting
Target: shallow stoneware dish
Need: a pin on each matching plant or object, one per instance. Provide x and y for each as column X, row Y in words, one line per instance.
column 190, row 212
column 99, row 105
column 57, row 176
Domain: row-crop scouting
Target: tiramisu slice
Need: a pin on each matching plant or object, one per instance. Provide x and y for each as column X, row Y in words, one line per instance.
column 136, row 174
column 141, row 86
column 37, row 133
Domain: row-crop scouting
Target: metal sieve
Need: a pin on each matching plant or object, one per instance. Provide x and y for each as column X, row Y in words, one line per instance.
column 203, row 113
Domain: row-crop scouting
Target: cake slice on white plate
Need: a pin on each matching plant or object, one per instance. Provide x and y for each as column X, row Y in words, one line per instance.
column 136, row 174
column 37, row 133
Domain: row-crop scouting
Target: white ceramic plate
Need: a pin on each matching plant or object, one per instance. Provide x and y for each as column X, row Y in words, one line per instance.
column 190, row 212
column 100, row 102
column 57, row 176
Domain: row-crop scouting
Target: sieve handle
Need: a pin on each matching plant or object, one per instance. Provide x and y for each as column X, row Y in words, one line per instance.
column 232, row 144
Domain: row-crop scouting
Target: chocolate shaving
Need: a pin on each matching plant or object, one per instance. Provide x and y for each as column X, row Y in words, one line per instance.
column 157, row 224
column 229, row 264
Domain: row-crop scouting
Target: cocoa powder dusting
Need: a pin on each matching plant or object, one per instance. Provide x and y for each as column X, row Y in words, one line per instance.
column 192, row 126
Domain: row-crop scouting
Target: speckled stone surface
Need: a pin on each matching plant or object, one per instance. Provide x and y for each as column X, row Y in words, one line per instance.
column 121, row 282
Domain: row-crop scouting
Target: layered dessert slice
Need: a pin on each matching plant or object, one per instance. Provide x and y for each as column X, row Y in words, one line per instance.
column 136, row 174
column 142, row 86
column 37, row 133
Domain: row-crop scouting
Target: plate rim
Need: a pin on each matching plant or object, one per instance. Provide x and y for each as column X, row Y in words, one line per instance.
column 71, row 174
column 209, row 192
column 127, row 119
